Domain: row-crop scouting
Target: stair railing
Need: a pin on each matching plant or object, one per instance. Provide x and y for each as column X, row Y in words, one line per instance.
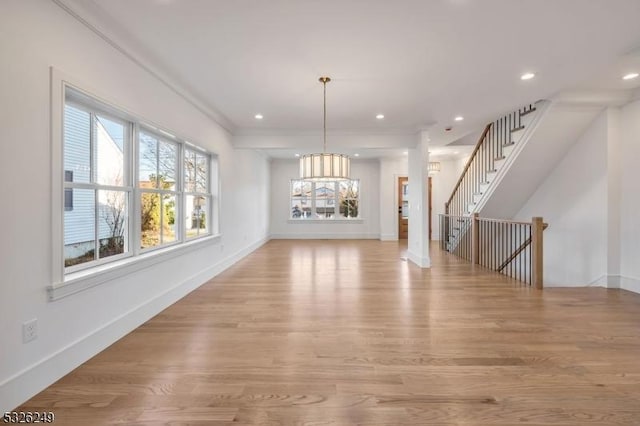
column 490, row 148
column 510, row 247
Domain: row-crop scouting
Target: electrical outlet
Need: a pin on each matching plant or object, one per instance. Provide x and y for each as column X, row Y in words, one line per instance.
column 30, row 330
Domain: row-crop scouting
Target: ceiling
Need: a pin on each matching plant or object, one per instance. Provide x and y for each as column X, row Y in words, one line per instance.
column 419, row 62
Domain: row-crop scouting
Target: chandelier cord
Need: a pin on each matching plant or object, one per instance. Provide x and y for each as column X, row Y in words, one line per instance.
column 324, row 146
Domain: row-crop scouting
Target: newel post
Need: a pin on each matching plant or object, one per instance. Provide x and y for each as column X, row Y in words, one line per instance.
column 445, row 237
column 537, row 228
column 475, row 239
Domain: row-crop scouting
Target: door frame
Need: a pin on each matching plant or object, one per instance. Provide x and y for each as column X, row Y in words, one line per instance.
column 397, row 204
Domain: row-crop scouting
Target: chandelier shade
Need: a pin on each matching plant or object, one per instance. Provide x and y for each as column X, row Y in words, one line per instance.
column 325, row 166
column 434, row 167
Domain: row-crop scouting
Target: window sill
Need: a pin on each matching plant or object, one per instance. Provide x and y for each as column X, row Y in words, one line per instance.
column 78, row 281
column 302, row 221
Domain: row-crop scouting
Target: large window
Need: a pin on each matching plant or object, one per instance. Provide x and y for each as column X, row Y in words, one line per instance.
column 169, row 186
column 324, row 200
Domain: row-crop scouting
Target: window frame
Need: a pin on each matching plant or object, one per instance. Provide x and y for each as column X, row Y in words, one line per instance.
column 337, row 217
column 65, row 281
column 176, row 192
column 94, row 111
column 207, row 194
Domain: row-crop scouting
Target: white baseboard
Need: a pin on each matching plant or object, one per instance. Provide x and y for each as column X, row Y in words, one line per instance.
column 617, row 282
column 323, row 236
column 630, row 284
column 33, row 379
column 603, row 281
column 388, row 237
column 423, row 262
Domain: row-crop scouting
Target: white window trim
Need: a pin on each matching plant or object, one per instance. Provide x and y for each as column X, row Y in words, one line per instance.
column 71, row 282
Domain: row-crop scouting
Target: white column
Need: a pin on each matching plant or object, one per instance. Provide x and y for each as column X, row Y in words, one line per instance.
column 614, row 182
column 418, row 250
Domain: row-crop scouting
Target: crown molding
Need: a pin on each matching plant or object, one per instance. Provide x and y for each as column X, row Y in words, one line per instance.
column 593, row 98
column 114, row 35
column 337, row 132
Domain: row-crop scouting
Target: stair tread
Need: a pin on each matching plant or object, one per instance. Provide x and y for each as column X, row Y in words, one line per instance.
column 499, row 158
column 522, row 114
column 517, row 129
column 508, row 144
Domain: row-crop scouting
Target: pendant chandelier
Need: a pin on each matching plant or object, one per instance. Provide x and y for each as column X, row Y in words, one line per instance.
column 434, row 167
column 325, row 166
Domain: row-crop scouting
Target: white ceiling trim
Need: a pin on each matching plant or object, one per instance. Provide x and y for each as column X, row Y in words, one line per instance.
column 71, row 7
column 588, row 97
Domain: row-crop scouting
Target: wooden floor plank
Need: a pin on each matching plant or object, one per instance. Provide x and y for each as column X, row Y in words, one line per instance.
column 350, row 333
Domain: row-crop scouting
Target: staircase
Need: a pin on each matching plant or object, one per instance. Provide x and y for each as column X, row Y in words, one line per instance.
column 514, row 156
column 499, row 143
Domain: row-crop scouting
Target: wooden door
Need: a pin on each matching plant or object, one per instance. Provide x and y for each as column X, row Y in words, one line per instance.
column 403, row 208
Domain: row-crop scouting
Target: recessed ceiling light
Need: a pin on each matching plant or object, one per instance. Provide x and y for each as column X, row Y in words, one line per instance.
column 380, row 116
column 459, row 118
column 527, row 76
column 258, row 116
column 631, row 76
column 456, row 152
column 356, row 155
column 405, row 152
column 297, row 155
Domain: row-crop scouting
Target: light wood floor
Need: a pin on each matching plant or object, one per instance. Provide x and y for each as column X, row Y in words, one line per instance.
column 346, row 332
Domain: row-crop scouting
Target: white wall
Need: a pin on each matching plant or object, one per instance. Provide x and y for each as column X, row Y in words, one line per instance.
column 35, row 35
column 573, row 200
column 282, row 171
column 442, row 184
column 390, row 170
column 630, row 197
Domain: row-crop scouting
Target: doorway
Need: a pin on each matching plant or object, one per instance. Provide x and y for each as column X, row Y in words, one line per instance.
column 403, row 208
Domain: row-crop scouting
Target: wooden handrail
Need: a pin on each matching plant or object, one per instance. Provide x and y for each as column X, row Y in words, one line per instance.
column 514, row 222
column 466, row 167
column 487, row 219
column 519, row 250
column 456, row 217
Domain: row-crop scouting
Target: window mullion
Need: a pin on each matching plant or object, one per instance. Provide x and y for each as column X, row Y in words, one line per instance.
column 136, row 233
column 336, row 200
column 93, row 179
column 313, row 200
column 180, row 198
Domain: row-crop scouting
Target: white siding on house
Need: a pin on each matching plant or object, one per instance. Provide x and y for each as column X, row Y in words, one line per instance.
column 79, row 222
